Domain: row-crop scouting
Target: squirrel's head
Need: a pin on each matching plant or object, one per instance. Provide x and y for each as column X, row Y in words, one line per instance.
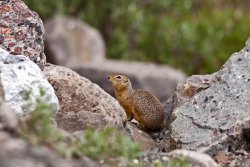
column 120, row 82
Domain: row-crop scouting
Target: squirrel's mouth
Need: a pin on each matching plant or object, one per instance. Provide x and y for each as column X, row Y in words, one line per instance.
column 110, row 77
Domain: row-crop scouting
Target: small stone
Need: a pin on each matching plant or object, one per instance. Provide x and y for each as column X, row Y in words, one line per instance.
column 136, row 161
column 241, row 152
column 221, row 158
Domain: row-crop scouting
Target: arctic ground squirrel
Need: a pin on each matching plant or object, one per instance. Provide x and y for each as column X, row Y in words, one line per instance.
column 141, row 105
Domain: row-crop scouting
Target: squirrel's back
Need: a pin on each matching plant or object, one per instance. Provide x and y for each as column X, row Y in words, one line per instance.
column 148, row 110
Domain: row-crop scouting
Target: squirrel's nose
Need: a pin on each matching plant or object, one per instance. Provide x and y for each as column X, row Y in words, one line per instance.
column 108, row 77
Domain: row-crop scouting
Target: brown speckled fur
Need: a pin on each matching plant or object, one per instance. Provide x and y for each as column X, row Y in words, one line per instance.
column 141, row 105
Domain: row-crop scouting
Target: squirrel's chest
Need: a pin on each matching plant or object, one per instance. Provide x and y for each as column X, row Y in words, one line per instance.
column 125, row 101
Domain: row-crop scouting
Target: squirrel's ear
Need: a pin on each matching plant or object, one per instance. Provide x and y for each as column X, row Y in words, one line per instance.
column 126, row 79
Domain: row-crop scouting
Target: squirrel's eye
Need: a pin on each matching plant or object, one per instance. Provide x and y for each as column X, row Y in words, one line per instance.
column 118, row 77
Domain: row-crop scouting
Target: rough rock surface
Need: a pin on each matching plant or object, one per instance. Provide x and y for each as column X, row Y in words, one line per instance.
column 195, row 159
column 76, row 122
column 71, row 42
column 232, row 159
column 21, row 31
column 76, row 93
column 160, row 80
column 215, row 109
column 84, row 104
column 16, row 152
column 144, row 139
column 21, row 83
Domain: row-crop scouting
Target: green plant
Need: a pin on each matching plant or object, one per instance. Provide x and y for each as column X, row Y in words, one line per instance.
column 106, row 145
column 38, row 127
column 159, row 164
column 179, row 162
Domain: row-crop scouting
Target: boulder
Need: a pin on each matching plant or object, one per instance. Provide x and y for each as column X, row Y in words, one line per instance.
column 71, row 42
column 21, row 31
column 211, row 111
column 22, row 83
column 158, row 79
column 85, row 105
column 79, row 95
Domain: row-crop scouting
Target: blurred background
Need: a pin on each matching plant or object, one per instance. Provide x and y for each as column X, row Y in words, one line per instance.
column 156, row 43
column 194, row 36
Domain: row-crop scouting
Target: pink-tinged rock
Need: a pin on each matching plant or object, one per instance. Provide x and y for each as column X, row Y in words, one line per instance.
column 21, row 28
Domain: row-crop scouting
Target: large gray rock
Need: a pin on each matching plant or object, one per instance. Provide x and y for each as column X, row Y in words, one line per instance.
column 160, row 80
column 21, row 31
column 71, row 42
column 22, row 83
column 215, row 108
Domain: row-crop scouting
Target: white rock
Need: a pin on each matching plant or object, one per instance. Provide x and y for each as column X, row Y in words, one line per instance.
column 195, row 158
column 20, row 78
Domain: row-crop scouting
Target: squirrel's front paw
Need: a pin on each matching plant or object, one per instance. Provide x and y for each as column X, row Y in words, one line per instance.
column 124, row 122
